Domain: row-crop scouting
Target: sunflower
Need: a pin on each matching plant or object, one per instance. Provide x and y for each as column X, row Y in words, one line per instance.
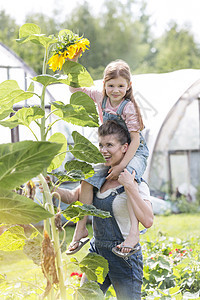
column 68, row 46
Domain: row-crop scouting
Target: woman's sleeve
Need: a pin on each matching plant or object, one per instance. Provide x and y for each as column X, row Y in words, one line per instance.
column 144, row 191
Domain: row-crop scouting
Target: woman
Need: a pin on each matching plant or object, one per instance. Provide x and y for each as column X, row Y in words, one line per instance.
column 125, row 273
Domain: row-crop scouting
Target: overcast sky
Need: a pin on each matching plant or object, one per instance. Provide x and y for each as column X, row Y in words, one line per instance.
column 162, row 11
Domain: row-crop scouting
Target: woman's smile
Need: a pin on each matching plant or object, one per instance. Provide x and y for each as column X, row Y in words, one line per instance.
column 111, row 149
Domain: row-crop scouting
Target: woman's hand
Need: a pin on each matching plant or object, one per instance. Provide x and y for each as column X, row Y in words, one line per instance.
column 114, row 172
column 125, row 178
column 49, row 182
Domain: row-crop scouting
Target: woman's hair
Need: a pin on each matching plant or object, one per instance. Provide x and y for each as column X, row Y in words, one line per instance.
column 120, row 68
column 112, row 127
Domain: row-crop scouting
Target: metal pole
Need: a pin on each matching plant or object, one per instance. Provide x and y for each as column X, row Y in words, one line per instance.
column 198, row 99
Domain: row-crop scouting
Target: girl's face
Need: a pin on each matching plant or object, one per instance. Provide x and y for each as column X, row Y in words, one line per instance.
column 111, row 149
column 116, row 89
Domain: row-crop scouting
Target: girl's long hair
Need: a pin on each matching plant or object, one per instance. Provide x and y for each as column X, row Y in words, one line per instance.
column 121, row 68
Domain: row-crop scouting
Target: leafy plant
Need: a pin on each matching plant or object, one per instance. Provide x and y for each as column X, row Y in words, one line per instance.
column 23, row 161
column 171, row 269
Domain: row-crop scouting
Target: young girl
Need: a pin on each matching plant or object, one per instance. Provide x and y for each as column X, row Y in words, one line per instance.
column 116, row 102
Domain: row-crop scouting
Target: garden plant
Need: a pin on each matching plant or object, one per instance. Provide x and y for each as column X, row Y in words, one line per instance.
column 23, row 162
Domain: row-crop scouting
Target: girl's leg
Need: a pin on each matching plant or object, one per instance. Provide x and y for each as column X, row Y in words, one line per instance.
column 133, row 237
column 86, row 197
column 137, row 165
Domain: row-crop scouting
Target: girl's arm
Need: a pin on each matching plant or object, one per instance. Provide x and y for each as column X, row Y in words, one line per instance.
column 141, row 207
column 132, row 148
column 93, row 93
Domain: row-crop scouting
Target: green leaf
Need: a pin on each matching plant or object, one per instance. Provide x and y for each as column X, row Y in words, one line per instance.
column 29, row 29
column 7, row 87
column 4, row 112
column 19, row 162
column 17, row 209
column 75, row 165
column 95, row 266
column 24, row 116
column 84, row 150
column 10, row 93
column 80, row 98
column 32, row 249
column 75, row 114
column 32, row 32
column 163, row 263
column 76, row 171
column 78, row 76
column 73, row 176
column 78, row 210
column 12, row 239
column 49, row 79
column 174, row 290
column 31, row 87
column 90, row 291
column 58, row 159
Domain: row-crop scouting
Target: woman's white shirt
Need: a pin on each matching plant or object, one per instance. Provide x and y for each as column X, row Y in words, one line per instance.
column 120, row 209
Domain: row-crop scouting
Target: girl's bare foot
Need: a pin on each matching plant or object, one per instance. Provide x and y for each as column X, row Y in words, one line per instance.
column 129, row 243
column 78, row 235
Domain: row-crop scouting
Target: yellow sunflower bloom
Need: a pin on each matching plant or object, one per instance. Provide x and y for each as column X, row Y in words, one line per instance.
column 69, row 50
column 56, row 62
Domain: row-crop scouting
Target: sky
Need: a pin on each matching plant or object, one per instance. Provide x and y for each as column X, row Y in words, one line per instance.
column 184, row 12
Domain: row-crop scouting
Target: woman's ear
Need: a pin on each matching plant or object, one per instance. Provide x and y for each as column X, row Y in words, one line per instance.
column 125, row 147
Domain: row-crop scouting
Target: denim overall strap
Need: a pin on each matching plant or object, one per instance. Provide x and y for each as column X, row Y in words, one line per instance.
column 106, row 231
column 121, row 107
column 117, row 117
column 103, row 106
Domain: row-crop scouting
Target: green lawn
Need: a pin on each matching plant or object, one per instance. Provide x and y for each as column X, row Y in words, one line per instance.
column 16, row 266
column 182, row 226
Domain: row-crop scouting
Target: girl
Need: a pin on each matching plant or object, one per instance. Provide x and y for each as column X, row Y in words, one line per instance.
column 116, row 102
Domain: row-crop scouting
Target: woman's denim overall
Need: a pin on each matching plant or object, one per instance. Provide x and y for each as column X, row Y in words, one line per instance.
column 124, row 274
column 137, row 163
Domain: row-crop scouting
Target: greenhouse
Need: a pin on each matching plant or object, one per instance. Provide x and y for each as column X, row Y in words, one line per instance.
column 170, row 105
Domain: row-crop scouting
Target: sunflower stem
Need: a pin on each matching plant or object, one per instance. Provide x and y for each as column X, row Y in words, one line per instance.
column 55, row 236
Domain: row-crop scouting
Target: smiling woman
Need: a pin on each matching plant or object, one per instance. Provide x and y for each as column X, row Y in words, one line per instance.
column 109, row 235
column 111, row 148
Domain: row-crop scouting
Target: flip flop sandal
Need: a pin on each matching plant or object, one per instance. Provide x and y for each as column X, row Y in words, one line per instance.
column 117, row 251
column 80, row 243
column 143, row 231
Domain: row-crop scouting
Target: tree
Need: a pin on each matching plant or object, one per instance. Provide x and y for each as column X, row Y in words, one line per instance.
column 8, row 30
column 176, row 49
column 119, row 32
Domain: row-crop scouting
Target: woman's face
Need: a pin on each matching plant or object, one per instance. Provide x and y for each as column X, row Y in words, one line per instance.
column 111, row 149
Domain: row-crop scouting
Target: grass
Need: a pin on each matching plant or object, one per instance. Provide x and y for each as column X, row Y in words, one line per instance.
column 179, row 226
column 16, row 266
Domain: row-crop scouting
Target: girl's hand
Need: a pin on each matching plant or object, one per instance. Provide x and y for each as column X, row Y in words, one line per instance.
column 76, row 57
column 114, row 172
column 126, row 178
